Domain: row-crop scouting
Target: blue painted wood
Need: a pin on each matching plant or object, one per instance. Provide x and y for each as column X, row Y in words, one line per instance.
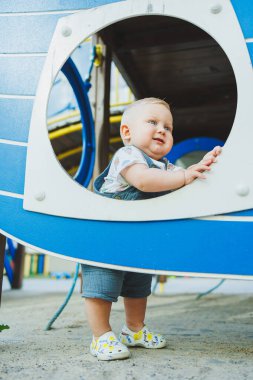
column 12, row 168
column 49, row 5
column 225, row 248
column 27, row 34
column 20, row 75
column 244, row 12
column 15, row 118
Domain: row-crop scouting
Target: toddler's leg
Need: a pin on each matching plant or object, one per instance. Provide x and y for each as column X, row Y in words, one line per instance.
column 101, row 287
column 135, row 310
column 136, row 288
column 98, row 315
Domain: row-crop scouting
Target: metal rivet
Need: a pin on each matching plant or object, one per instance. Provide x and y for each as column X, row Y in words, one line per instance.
column 40, row 196
column 242, row 189
column 66, row 31
column 215, row 9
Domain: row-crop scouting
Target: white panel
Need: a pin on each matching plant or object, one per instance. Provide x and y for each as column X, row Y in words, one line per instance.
column 228, row 179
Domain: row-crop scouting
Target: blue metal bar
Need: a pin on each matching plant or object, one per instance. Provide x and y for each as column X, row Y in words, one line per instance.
column 192, row 145
column 210, row 290
column 11, row 248
column 61, row 308
column 81, row 89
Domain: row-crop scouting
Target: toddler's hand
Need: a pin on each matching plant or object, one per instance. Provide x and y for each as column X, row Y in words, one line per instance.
column 195, row 171
column 210, row 157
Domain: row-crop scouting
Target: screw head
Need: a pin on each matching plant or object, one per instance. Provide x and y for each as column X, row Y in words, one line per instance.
column 242, row 189
column 216, row 8
column 40, row 196
column 66, row 31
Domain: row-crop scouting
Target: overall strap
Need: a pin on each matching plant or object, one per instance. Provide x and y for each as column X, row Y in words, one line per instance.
column 151, row 163
column 130, row 193
column 100, row 179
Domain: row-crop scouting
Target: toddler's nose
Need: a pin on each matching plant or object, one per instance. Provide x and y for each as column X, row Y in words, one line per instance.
column 161, row 130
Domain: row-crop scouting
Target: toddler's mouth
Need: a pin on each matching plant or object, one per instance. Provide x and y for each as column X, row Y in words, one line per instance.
column 158, row 140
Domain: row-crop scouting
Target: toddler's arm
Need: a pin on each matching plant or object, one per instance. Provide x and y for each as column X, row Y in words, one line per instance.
column 155, row 180
column 209, row 158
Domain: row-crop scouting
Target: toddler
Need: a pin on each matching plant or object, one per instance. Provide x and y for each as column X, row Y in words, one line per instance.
column 137, row 171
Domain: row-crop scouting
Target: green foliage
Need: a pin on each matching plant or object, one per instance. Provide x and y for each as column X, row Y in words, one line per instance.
column 4, row 327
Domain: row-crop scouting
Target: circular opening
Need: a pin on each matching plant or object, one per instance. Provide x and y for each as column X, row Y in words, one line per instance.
column 158, row 56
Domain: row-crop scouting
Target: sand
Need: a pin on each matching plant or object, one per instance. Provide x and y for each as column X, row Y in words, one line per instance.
column 207, row 339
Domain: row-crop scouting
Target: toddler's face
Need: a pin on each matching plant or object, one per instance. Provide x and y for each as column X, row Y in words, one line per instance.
column 151, row 130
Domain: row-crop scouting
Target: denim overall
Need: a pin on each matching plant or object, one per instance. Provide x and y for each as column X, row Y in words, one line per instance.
column 108, row 284
column 131, row 193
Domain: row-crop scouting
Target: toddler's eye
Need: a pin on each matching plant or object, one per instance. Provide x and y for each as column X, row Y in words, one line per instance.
column 167, row 128
column 153, row 122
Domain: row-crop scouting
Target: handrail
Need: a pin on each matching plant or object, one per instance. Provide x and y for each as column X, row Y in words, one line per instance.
column 77, row 127
column 70, row 152
column 65, row 131
column 55, row 119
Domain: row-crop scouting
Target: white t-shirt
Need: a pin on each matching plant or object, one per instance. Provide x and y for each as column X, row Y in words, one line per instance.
column 124, row 157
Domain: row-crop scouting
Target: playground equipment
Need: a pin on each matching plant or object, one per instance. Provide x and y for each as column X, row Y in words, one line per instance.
column 203, row 229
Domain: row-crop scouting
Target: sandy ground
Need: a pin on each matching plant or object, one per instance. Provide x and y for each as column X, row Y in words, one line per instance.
column 207, row 339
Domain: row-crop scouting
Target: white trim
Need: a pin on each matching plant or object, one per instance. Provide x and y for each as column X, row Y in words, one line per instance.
column 12, row 195
column 3, row 55
column 249, row 40
column 220, row 193
column 42, row 13
column 10, row 142
column 228, row 218
column 9, row 96
column 130, row 269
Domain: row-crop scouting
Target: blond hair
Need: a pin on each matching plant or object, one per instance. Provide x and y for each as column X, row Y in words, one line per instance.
column 138, row 103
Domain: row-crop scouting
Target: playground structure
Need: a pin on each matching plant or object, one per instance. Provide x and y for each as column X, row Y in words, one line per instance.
column 197, row 55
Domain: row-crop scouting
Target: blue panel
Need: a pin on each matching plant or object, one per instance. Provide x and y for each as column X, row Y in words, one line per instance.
column 49, row 5
column 15, row 118
column 241, row 213
column 36, row 33
column 244, row 12
column 225, row 248
column 20, row 75
column 12, row 168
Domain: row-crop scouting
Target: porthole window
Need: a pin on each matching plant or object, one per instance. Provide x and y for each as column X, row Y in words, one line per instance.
column 201, row 68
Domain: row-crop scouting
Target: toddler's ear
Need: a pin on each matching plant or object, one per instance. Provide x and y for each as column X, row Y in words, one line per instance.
column 125, row 132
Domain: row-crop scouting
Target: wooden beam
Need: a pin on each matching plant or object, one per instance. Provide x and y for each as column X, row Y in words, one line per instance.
column 2, row 252
column 100, row 101
column 125, row 66
column 18, row 270
column 167, row 57
column 167, row 38
column 141, row 32
column 133, row 79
